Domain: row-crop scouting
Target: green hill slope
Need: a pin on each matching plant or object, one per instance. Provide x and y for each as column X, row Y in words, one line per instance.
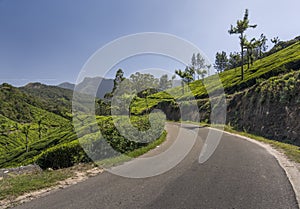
column 265, row 103
column 281, row 62
column 50, row 98
column 46, row 129
column 51, row 140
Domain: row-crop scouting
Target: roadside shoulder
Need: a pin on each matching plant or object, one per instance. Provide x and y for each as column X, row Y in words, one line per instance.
column 291, row 168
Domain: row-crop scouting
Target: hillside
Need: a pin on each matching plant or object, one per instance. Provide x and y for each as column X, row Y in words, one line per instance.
column 50, row 98
column 20, row 110
column 266, row 102
column 37, row 127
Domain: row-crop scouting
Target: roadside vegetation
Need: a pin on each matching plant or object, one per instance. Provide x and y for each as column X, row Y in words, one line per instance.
column 17, row 185
column 291, row 151
column 36, row 121
column 13, row 187
column 281, row 62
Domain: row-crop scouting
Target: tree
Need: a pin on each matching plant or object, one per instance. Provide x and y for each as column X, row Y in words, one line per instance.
column 250, row 46
column 4, row 131
column 275, row 40
column 201, row 73
column 16, row 126
column 221, row 62
column 262, row 44
column 234, row 60
column 185, row 76
column 173, row 78
column 40, row 128
column 201, row 66
column 197, row 66
column 194, row 61
column 102, row 108
column 118, row 79
column 240, row 28
column 164, row 83
column 25, row 131
column 142, row 82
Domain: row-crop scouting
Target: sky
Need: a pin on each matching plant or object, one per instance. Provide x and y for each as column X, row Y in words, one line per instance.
column 50, row 41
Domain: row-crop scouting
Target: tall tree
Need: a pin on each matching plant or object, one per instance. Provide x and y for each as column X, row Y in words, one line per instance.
column 201, row 67
column 275, row 40
column 173, row 78
column 118, row 79
column 4, row 131
column 185, row 76
column 164, row 83
column 251, row 46
column 194, row 61
column 262, row 44
column 25, row 131
column 40, row 127
column 221, row 62
column 201, row 73
column 240, row 28
column 234, row 60
column 143, row 82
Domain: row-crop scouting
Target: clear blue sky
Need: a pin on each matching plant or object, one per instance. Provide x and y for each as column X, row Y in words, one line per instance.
column 49, row 41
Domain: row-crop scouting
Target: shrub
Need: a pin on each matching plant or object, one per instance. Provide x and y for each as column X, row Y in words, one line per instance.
column 62, row 156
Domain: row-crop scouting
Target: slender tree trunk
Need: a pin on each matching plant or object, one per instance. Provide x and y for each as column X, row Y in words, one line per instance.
column 260, row 52
column 147, row 110
column 40, row 131
column 242, row 55
column 26, row 143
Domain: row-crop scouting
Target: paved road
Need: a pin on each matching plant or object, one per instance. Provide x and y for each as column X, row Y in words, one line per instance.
column 238, row 175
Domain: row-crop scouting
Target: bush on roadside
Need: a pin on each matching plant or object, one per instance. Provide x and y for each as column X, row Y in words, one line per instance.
column 62, row 156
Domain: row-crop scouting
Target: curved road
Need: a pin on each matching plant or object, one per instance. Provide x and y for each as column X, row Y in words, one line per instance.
column 239, row 174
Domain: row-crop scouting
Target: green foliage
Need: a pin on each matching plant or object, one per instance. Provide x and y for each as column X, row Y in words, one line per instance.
column 240, row 28
column 279, row 45
column 118, row 79
column 62, row 156
column 51, row 98
column 282, row 88
column 69, row 154
column 135, row 138
column 234, row 60
column 221, row 62
column 278, row 63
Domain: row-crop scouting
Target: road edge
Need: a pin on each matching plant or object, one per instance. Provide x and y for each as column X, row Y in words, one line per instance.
column 289, row 167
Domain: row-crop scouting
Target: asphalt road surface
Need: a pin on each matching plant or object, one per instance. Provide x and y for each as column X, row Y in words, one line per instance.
column 239, row 174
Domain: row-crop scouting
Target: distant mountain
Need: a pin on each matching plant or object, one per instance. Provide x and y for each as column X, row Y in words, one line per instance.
column 51, row 98
column 67, row 85
column 88, row 85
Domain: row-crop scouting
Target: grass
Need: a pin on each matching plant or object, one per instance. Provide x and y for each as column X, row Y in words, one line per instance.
column 291, row 151
column 17, row 185
column 13, row 187
column 281, row 62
